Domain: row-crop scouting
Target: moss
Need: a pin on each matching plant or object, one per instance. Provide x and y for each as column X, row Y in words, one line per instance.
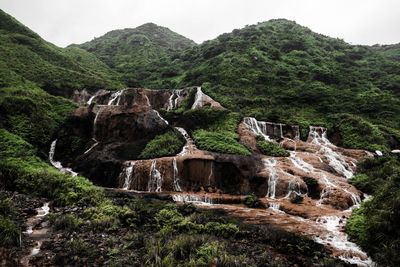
column 167, row 144
column 271, row 149
column 252, row 201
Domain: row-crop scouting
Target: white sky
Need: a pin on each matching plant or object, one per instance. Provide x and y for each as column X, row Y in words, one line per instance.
column 63, row 22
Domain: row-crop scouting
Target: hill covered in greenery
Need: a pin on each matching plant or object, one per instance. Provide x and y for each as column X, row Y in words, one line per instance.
column 275, row 71
column 140, row 54
column 27, row 59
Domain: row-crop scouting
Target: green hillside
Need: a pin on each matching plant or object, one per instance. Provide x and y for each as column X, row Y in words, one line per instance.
column 26, row 58
column 141, row 54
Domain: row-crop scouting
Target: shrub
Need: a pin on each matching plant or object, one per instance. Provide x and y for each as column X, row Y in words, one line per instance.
column 252, row 201
column 167, row 144
column 68, row 222
column 271, row 149
column 9, row 233
column 219, row 142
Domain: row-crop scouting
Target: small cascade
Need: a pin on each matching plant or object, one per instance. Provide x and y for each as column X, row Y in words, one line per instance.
column 93, row 146
column 329, row 185
column 38, row 235
column 158, row 115
column 173, row 99
column 189, row 146
column 126, row 175
column 58, row 164
column 257, row 127
column 91, row 99
column 98, row 113
column 155, row 178
column 339, row 240
column 300, row 163
column 281, row 129
column 293, row 188
column 204, row 200
column 197, row 100
column 317, row 135
column 275, row 206
column 115, row 97
column 270, row 165
column 176, row 185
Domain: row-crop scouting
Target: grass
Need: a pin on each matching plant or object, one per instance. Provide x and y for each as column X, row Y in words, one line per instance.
column 271, row 149
column 167, row 144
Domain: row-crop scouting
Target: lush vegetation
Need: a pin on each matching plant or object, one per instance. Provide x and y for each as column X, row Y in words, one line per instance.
column 252, row 201
column 167, row 144
column 141, row 55
column 375, row 225
column 25, row 58
column 9, row 231
column 271, row 149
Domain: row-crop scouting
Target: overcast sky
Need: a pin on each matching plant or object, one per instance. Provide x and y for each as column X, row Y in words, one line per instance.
column 63, row 22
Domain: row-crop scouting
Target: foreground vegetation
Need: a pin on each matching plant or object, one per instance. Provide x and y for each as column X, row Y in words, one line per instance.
column 375, row 225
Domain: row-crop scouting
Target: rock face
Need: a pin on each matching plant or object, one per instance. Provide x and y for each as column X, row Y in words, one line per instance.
column 103, row 139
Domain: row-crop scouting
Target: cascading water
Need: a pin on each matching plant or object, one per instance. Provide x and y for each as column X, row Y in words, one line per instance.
column 173, row 99
column 58, row 164
column 176, row 185
column 257, row 127
column 204, row 200
column 293, row 188
column 115, row 96
column 189, row 146
column 317, row 135
column 338, row 239
column 91, row 99
column 300, row 163
column 158, row 115
column 270, row 165
column 126, row 175
column 155, row 178
column 197, row 100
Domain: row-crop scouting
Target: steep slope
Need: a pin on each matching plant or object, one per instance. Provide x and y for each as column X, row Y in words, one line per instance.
column 142, row 54
column 25, row 57
column 281, row 71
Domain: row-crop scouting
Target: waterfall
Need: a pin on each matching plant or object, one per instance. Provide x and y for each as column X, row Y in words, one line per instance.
column 257, row 127
column 114, row 96
column 189, row 146
column 99, row 111
column 340, row 240
column 159, row 116
column 335, row 159
column 176, row 185
column 281, row 130
column 93, row 146
column 91, row 99
column 173, row 99
column 296, row 130
column 300, row 163
column 58, row 164
column 155, row 178
column 270, row 165
column 293, row 187
column 329, row 185
column 197, row 100
column 192, row 199
column 126, row 175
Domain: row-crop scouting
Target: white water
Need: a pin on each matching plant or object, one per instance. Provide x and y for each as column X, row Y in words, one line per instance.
column 300, row 163
column 202, row 200
column 155, row 178
column 197, row 100
column 173, row 99
column 93, row 146
column 339, row 240
column 91, row 99
column 257, row 127
column 176, row 185
column 115, row 96
column 158, row 115
column 189, row 146
column 270, row 165
column 58, row 164
column 335, row 159
column 126, row 175
column 41, row 212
